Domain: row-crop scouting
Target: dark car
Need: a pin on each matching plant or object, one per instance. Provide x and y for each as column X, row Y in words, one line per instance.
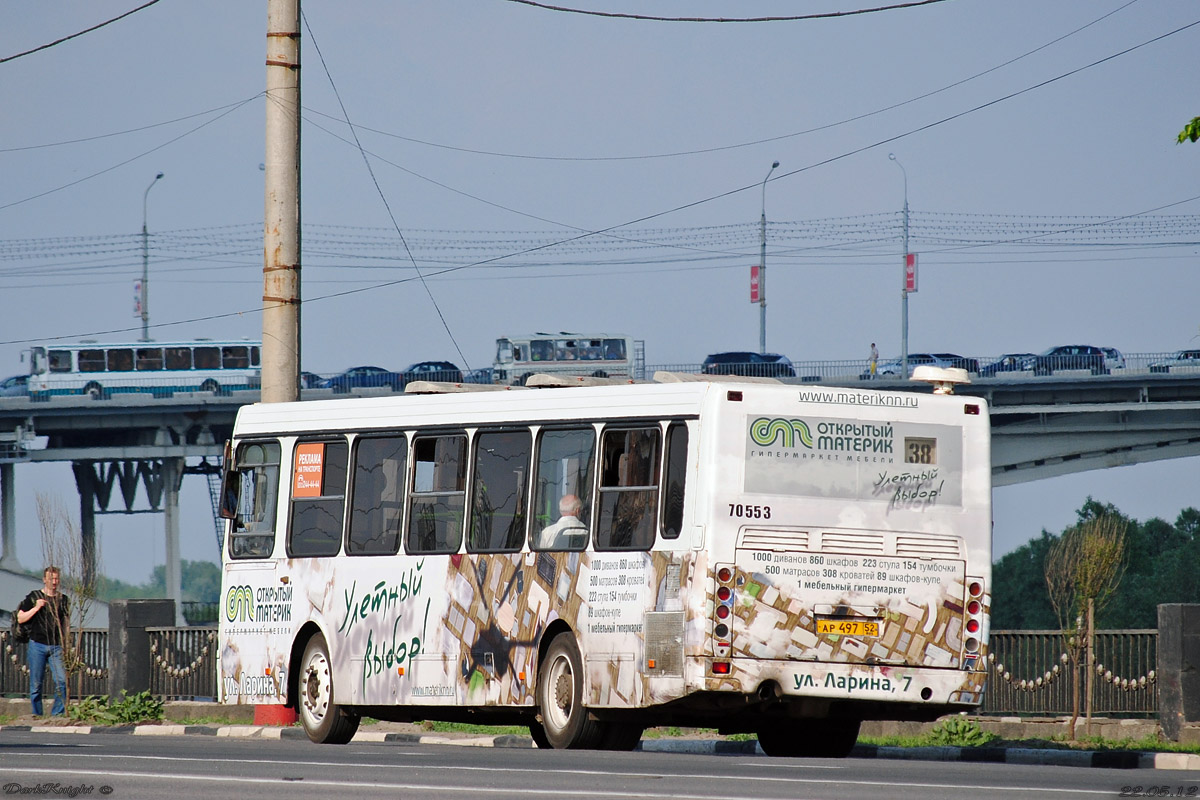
column 363, row 377
column 441, row 371
column 962, row 362
column 1070, row 357
column 310, row 380
column 756, row 365
column 1009, row 362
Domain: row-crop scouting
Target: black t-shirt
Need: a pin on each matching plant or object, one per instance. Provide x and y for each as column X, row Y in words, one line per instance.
column 43, row 627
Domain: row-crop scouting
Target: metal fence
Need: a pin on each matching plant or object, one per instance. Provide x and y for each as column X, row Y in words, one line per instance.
column 90, row 679
column 1028, row 675
column 1031, row 676
column 182, row 663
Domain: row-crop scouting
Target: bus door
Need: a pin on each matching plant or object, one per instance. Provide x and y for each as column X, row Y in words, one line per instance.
column 256, row 593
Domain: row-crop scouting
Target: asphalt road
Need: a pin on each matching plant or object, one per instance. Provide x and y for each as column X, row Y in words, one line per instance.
column 37, row 763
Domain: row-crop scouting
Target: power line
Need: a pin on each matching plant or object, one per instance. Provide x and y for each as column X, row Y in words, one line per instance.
column 75, row 35
column 649, row 18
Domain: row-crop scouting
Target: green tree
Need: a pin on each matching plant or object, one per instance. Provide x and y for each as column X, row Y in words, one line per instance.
column 1190, row 132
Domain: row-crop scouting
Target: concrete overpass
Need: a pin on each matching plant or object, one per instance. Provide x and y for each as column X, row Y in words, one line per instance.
column 142, row 447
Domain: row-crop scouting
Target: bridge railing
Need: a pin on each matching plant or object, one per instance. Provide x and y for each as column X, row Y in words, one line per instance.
column 805, row 371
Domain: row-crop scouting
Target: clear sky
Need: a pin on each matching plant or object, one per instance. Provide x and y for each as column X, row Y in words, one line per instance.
column 1049, row 201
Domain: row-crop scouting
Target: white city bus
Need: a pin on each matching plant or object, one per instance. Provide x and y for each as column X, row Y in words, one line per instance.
column 161, row 368
column 749, row 556
column 600, row 355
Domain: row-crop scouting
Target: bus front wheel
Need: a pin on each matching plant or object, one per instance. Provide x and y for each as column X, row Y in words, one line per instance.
column 94, row 391
column 565, row 721
column 210, row 386
column 324, row 721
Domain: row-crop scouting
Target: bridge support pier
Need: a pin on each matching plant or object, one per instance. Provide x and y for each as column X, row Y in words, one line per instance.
column 162, row 480
column 8, row 519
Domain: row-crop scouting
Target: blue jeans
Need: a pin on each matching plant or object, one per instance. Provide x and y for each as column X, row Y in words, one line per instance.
column 38, row 654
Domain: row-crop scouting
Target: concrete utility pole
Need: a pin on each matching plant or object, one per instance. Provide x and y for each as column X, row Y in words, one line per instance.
column 762, row 267
column 903, row 277
column 281, row 232
column 145, row 298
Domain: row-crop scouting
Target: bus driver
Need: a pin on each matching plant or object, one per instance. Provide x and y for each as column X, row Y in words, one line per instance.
column 569, row 532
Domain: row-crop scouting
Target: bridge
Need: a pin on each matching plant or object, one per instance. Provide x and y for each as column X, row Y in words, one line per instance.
column 1042, row 427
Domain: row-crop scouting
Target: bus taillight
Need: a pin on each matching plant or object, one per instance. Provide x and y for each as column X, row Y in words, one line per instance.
column 974, row 621
column 723, row 608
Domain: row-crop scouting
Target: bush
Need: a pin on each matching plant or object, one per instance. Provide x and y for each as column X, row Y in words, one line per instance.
column 959, row 732
column 141, row 707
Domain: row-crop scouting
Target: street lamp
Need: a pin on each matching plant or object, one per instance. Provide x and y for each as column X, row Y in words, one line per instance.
column 903, row 277
column 762, row 267
column 146, row 263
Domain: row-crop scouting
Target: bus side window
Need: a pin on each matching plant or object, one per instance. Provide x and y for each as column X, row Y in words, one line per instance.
column 91, row 361
column 235, row 357
column 498, row 491
column 60, row 361
column 149, row 358
column 673, row 481
column 628, row 489
column 565, row 460
column 206, row 358
column 252, row 534
column 179, row 358
column 318, row 498
column 435, row 518
column 120, row 359
column 541, row 350
column 377, row 511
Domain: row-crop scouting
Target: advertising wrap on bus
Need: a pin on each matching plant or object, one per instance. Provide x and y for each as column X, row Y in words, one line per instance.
column 592, row 561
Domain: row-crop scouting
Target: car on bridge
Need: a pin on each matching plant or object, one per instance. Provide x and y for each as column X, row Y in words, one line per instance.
column 363, row 377
column 893, row 366
column 755, row 365
column 15, row 386
column 1181, row 360
column 441, row 371
column 1071, row 357
column 1009, row 362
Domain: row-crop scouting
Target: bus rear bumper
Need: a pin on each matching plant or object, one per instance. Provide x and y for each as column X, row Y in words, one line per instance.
column 878, row 683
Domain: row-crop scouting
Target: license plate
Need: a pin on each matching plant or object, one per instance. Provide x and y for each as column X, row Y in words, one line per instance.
column 849, row 627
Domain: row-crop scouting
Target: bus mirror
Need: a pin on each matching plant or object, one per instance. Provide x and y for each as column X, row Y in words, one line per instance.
column 230, row 484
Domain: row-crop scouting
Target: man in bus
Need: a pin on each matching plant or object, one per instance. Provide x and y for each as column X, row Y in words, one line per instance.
column 570, row 531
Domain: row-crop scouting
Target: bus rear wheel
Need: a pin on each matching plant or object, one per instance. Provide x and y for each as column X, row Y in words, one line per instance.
column 94, row 391
column 210, row 386
column 565, row 721
column 324, row 720
column 812, row 738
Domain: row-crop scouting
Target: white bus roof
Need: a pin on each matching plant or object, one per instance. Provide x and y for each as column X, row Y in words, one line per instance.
column 640, row 400
column 564, row 335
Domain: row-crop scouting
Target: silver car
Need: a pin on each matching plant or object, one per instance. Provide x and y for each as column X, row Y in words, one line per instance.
column 16, row 386
column 1184, row 358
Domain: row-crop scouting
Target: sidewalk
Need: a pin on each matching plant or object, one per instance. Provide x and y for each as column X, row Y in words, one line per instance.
column 240, row 725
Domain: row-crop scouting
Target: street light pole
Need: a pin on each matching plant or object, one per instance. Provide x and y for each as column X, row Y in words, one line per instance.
column 146, row 263
column 903, row 277
column 762, row 267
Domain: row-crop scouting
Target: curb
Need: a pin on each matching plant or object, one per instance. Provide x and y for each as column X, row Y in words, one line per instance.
column 1103, row 759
